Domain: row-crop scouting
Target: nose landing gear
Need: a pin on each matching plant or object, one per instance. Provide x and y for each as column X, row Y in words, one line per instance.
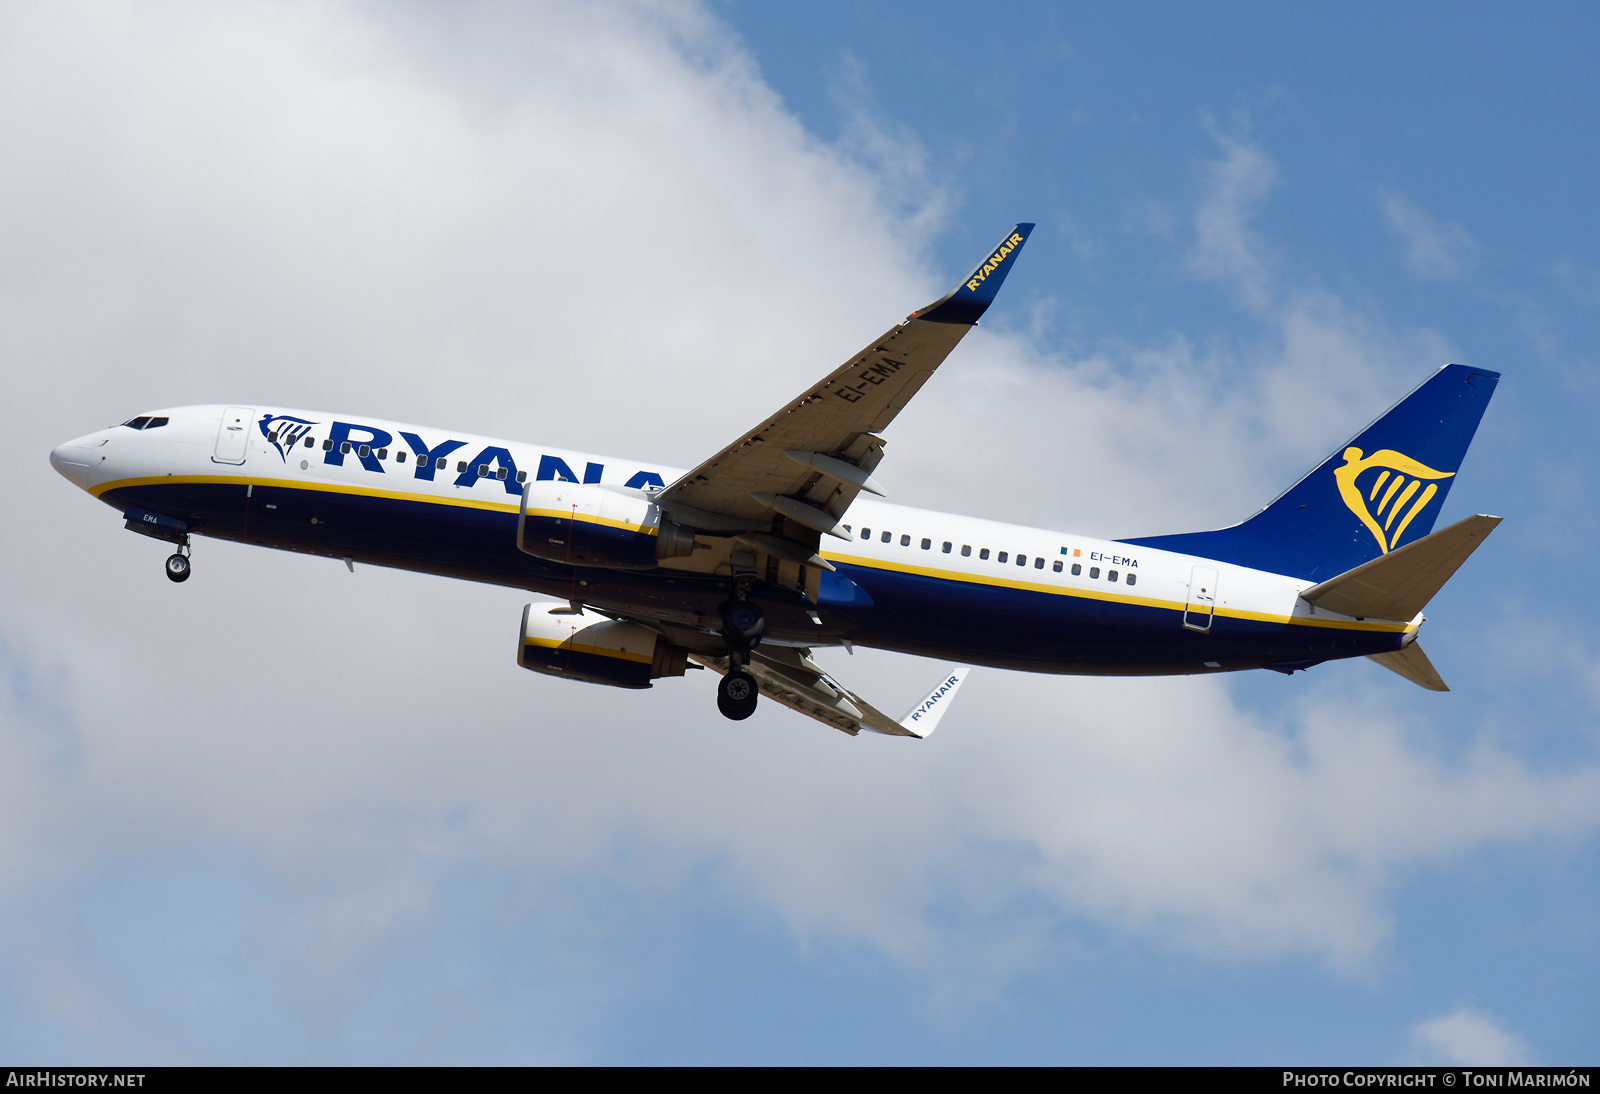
column 178, row 568
column 742, row 627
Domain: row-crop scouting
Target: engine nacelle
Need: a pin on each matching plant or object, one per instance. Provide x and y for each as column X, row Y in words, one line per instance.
column 596, row 650
column 590, row 524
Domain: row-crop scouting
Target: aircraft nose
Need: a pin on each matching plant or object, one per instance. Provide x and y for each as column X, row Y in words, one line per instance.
column 75, row 459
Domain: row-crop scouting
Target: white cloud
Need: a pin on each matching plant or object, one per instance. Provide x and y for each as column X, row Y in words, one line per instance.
column 1227, row 249
column 1434, row 250
column 1467, row 1036
column 594, row 226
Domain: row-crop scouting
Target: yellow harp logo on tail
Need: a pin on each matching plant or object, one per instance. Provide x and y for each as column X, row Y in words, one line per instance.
column 1392, row 489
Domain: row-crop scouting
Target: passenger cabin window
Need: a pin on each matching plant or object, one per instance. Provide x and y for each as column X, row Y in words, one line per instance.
column 443, row 461
column 364, row 451
column 311, row 442
column 946, row 547
column 984, row 553
column 272, row 438
column 461, row 465
column 1038, row 563
column 327, row 445
column 1094, row 571
column 383, row 453
column 399, row 457
column 501, row 472
column 1133, row 579
column 344, row 447
column 1077, row 568
column 1111, row 575
column 1057, row 566
column 966, row 550
column 522, row 476
column 905, row 541
column 886, row 536
column 866, row 533
column 1002, row 556
column 926, row 543
column 1022, row 560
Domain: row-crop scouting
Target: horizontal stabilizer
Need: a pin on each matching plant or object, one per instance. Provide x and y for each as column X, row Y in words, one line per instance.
column 1413, row 664
column 1399, row 584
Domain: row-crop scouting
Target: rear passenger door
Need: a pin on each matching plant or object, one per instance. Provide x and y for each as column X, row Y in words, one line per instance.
column 1198, row 611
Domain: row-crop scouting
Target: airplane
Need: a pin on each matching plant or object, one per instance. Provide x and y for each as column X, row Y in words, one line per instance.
column 783, row 542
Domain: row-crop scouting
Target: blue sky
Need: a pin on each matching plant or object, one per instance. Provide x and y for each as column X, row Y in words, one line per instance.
column 287, row 814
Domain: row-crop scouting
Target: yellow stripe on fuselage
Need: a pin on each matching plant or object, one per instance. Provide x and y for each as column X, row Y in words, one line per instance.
column 300, row 484
column 866, row 563
column 368, row 492
column 1114, row 598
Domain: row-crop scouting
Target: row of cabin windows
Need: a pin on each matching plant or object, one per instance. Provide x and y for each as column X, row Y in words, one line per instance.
column 1001, row 557
column 363, row 451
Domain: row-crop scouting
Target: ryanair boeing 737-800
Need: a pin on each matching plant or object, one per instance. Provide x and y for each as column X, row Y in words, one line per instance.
column 780, row 543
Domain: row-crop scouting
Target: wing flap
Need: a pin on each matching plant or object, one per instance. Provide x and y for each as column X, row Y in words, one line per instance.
column 863, row 396
column 791, row 678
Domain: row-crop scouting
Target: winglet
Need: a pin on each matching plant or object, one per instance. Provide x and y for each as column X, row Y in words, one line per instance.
column 922, row 719
column 970, row 299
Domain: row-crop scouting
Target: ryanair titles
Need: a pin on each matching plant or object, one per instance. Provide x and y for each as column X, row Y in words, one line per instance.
column 993, row 261
column 373, row 447
column 945, row 688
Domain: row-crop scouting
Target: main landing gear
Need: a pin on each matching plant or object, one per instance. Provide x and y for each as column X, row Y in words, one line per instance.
column 178, row 568
column 742, row 626
column 737, row 694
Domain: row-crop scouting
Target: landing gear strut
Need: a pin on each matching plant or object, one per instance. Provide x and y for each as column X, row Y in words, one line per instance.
column 742, row 627
column 178, row 564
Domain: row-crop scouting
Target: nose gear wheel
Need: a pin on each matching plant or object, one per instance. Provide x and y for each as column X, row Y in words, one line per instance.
column 178, row 568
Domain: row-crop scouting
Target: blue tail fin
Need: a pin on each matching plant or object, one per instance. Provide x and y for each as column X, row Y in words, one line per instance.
column 1380, row 491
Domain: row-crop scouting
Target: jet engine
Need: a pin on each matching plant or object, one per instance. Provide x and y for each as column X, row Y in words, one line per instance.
column 597, row 524
column 596, row 650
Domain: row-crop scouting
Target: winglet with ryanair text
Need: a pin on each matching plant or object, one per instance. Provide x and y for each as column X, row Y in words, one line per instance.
column 923, row 719
column 970, row 299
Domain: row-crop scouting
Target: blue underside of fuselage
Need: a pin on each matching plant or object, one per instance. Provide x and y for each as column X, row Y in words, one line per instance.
column 889, row 609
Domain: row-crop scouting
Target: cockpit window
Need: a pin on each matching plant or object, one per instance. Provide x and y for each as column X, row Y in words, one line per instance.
column 137, row 423
column 157, row 423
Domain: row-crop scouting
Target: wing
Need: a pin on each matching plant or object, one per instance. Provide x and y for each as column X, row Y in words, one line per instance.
column 789, row 676
column 785, row 483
